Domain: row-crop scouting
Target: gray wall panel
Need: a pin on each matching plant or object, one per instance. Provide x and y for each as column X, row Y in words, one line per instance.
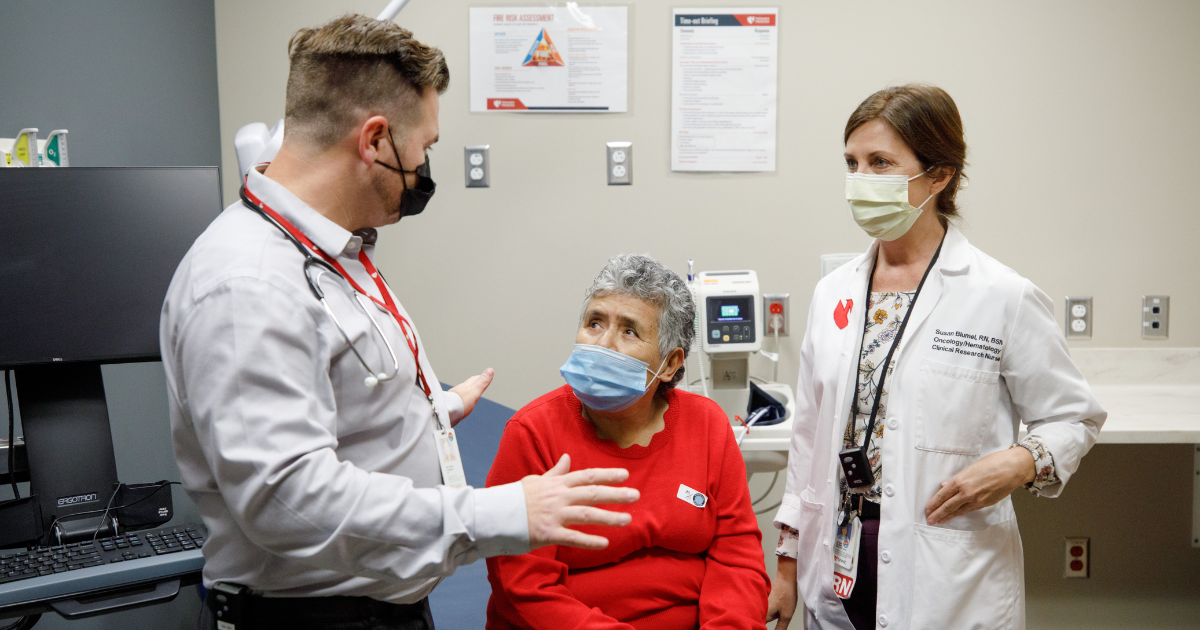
column 135, row 82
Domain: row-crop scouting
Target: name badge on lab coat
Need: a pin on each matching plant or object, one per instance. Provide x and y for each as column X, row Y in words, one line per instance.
column 845, row 557
column 449, row 458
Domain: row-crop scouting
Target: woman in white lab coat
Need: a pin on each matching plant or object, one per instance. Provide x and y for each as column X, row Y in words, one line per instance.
column 925, row 536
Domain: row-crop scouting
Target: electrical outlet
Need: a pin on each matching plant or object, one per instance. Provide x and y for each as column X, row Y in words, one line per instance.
column 830, row 262
column 1156, row 311
column 775, row 306
column 1079, row 318
column 620, row 163
column 477, row 166
column 1076, row 559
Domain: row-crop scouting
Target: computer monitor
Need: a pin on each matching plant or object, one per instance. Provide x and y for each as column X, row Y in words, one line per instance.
column 86, row 256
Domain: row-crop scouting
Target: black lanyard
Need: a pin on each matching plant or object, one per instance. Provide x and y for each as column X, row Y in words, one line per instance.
column 895, row 344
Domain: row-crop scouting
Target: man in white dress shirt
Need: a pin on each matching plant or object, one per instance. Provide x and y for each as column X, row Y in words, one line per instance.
column 323, row 495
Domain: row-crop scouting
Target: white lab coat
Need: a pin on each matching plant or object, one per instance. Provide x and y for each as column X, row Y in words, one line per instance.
column 950, row 403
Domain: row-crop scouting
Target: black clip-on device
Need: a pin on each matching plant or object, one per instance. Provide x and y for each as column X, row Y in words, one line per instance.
column 232, row 603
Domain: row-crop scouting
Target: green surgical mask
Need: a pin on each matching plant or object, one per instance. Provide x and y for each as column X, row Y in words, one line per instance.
column 880, row 205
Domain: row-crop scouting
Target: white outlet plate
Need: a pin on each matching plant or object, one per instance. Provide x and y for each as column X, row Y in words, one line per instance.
column 778, row 301
column 830, row 262
column 620, row 163
column 1079, row 317
column 1071, row 547
column 477, row 167
column 1156, row 316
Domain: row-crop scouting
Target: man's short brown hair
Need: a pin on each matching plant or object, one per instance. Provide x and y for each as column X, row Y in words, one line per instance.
column 356, row 66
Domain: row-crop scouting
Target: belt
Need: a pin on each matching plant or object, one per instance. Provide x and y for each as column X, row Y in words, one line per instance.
column 265, row 613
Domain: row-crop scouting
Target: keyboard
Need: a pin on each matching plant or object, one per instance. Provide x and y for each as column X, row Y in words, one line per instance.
column 43, row 561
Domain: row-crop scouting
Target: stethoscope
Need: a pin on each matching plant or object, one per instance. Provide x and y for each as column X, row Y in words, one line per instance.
column 314, row 269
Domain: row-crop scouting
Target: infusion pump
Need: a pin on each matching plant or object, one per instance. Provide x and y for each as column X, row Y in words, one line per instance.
column 728, row 304
column 729, row 322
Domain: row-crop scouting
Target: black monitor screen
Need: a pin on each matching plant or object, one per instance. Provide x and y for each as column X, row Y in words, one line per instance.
column 87, row 254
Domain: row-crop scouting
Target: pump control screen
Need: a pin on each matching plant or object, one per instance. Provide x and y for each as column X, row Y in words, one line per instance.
column 730, row 319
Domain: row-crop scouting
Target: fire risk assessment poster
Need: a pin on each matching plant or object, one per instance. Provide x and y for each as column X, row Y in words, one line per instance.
column 549, row 59
column 724, row 80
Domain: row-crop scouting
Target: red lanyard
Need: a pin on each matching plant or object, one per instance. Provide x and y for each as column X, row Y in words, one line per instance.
column 388, row 303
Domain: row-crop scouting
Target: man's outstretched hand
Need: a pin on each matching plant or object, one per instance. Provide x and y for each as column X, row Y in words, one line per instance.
column 471, row 390
column 559, row 498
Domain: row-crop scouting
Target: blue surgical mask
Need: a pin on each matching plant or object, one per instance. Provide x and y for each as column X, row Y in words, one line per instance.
column 606, row 380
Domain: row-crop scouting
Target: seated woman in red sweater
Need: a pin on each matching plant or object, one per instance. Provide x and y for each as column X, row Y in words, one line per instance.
column 692, row 556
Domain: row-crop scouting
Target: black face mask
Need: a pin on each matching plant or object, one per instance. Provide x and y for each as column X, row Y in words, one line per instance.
column 412, row 200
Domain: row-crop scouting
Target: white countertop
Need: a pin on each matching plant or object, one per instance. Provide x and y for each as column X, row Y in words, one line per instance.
column 1150, row 414
column 1152, row 395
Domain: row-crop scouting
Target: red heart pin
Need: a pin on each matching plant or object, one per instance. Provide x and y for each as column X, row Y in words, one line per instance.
column 840, row 313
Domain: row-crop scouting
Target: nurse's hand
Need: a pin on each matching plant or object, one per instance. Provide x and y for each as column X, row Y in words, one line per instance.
column 781, row 604
column 471, row 390
column 981, row 484
column 560, row 498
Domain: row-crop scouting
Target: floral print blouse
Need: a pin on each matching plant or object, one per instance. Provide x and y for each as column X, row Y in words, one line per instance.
column 885, row 312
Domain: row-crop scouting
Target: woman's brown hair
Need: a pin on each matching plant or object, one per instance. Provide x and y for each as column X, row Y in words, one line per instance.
column 927, row 119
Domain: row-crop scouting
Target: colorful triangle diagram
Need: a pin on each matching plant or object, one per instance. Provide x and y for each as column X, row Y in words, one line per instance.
column 543, row 52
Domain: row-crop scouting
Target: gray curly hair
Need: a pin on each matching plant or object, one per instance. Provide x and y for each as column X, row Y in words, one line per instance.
column 647, row 279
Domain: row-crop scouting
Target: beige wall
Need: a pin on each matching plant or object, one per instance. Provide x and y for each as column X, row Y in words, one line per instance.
column 1082, row 126
column 1080, row 118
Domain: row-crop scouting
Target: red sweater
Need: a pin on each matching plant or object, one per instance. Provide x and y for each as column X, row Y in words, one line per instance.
column 675, row 566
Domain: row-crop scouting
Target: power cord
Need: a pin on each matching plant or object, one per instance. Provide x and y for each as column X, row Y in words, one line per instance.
column 775, row 374
column 769, row 489
column 111, row 497
column 765, row 495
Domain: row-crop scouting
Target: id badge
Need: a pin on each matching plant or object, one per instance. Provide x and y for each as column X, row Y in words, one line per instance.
column 449, row 458
column 845, row 557
column 691, row 497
